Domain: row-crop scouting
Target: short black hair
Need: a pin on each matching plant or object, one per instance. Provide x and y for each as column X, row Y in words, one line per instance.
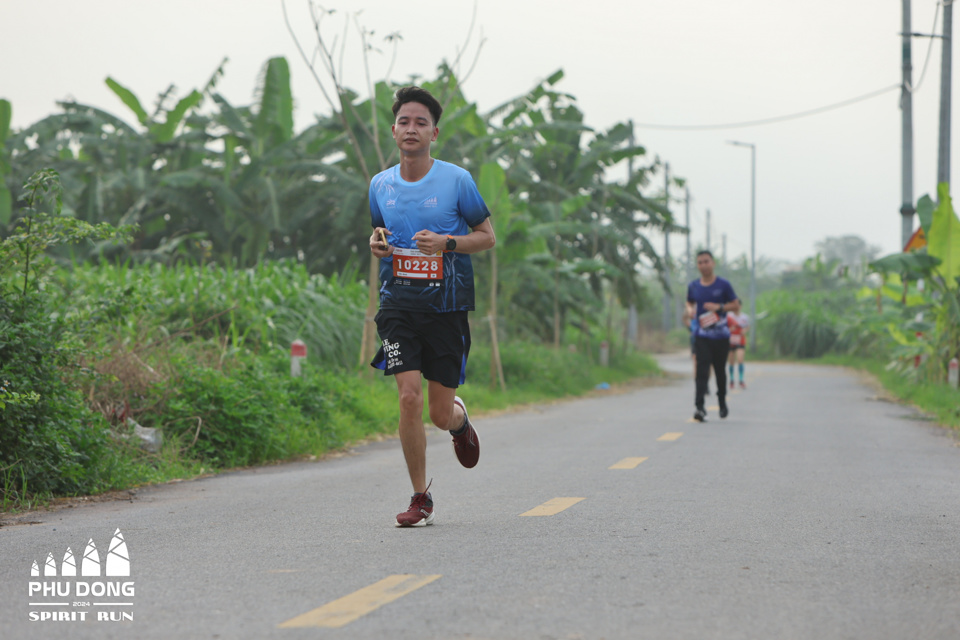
column 705, row 252
column 416, row 94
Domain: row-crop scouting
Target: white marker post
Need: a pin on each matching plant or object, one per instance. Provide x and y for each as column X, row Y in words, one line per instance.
column 953, row 372
column 298, row 351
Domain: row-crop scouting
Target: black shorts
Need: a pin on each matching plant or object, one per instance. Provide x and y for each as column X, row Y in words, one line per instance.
column 435, row 344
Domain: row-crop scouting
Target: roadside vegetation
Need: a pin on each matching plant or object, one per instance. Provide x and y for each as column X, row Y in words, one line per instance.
column 155, row 266
column 897, row 316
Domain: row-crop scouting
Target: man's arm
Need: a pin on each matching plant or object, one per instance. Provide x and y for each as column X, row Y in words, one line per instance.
column 732, row 305
column 481, row 239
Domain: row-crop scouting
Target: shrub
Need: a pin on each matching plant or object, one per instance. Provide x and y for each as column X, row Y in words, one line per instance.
column 49, row 440
column 252, row 411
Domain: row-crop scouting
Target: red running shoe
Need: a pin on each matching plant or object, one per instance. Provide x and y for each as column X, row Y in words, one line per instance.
column 420, row 513
column 742, row 385
column 467, row 444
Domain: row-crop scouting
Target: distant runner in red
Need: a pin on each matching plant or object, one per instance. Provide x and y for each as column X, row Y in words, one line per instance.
column 739, row 324
column 427, row 217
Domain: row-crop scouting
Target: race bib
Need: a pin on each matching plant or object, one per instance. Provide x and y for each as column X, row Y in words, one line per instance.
column 708, row 319
column 736, row 339
column 413, row 265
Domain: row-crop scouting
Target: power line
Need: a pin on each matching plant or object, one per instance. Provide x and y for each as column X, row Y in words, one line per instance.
column 753, row 123
column 926, row 61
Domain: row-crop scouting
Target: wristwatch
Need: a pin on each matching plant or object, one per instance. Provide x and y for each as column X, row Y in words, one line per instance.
column 451, row 244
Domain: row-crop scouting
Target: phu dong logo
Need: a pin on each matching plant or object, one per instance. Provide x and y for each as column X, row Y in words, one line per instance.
column 55, row 599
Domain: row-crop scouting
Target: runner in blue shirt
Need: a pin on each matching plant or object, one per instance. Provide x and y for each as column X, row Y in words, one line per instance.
column 709, row 298
column 428, row 217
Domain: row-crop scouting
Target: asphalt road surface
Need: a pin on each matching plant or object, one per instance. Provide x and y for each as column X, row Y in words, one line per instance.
column 816, row 510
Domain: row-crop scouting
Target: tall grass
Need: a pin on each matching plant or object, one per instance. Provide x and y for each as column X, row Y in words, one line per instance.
column 802, row 324
column 266, row 307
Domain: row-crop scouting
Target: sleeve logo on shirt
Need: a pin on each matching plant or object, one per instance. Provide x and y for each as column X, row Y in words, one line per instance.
column 430, row 202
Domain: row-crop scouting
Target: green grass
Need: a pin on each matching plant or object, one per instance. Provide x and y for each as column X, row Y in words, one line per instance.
column 938, row 400
column 535, row 373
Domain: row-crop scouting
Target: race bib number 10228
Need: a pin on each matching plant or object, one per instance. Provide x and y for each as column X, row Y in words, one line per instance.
column 410, row 263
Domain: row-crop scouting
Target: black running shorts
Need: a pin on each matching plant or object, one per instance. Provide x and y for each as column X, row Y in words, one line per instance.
column 436, row 344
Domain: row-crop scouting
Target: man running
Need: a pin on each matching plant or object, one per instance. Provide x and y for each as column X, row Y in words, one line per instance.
column 739, row 324
column 709, row 299
column 428, row 217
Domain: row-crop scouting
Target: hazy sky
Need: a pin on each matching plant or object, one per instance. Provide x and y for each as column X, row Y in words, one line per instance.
column 672, row 62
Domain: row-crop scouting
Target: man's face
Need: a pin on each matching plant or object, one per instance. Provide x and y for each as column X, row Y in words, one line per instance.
column 414, row 130
column 705, row 265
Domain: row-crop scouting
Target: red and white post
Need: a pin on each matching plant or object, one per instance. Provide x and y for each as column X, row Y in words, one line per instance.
column 298, row 351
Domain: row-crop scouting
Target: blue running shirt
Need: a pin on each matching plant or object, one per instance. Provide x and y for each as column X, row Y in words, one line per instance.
column 445, row 201
column 719, row 291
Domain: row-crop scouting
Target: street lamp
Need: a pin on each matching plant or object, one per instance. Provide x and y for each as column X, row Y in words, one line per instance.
column 753, row 236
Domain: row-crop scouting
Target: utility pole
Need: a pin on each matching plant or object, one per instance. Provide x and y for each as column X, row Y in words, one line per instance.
column 724, row 237
column 688, row 271
column 667, row 294
column 708, row 230
column 753, row 236
column 943, row 155
column 631, row 338
column 906, row 133
column 753, row 245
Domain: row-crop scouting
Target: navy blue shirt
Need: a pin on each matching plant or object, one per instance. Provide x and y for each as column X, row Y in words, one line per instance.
column 719, row 291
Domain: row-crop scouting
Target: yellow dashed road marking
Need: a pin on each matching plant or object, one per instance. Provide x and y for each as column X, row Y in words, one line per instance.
column 345, row 610
column 552, row 507
column 670, row 436
column 628, row 463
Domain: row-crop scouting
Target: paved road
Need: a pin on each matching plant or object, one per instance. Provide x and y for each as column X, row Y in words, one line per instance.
column 814, row 511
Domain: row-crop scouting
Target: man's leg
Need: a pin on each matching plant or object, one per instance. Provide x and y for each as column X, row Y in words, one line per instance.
column 703, row 370
column 720, row 350
column 741, row 355
column 444, row 412
column 731, row 361
column 413, row 438
column 448, row 412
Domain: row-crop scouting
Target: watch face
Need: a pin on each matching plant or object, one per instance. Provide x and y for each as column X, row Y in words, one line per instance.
column 451, row 244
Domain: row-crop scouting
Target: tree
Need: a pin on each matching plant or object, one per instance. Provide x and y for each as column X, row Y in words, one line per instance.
column 851, row 252
column 578, row 229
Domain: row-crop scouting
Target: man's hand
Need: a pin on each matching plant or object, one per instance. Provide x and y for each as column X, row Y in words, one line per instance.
column 712, row 306
column 429, row 243
column 377, row 247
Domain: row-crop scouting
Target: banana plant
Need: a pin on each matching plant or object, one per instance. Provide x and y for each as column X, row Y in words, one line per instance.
column 581, row 229
column 938, row 266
